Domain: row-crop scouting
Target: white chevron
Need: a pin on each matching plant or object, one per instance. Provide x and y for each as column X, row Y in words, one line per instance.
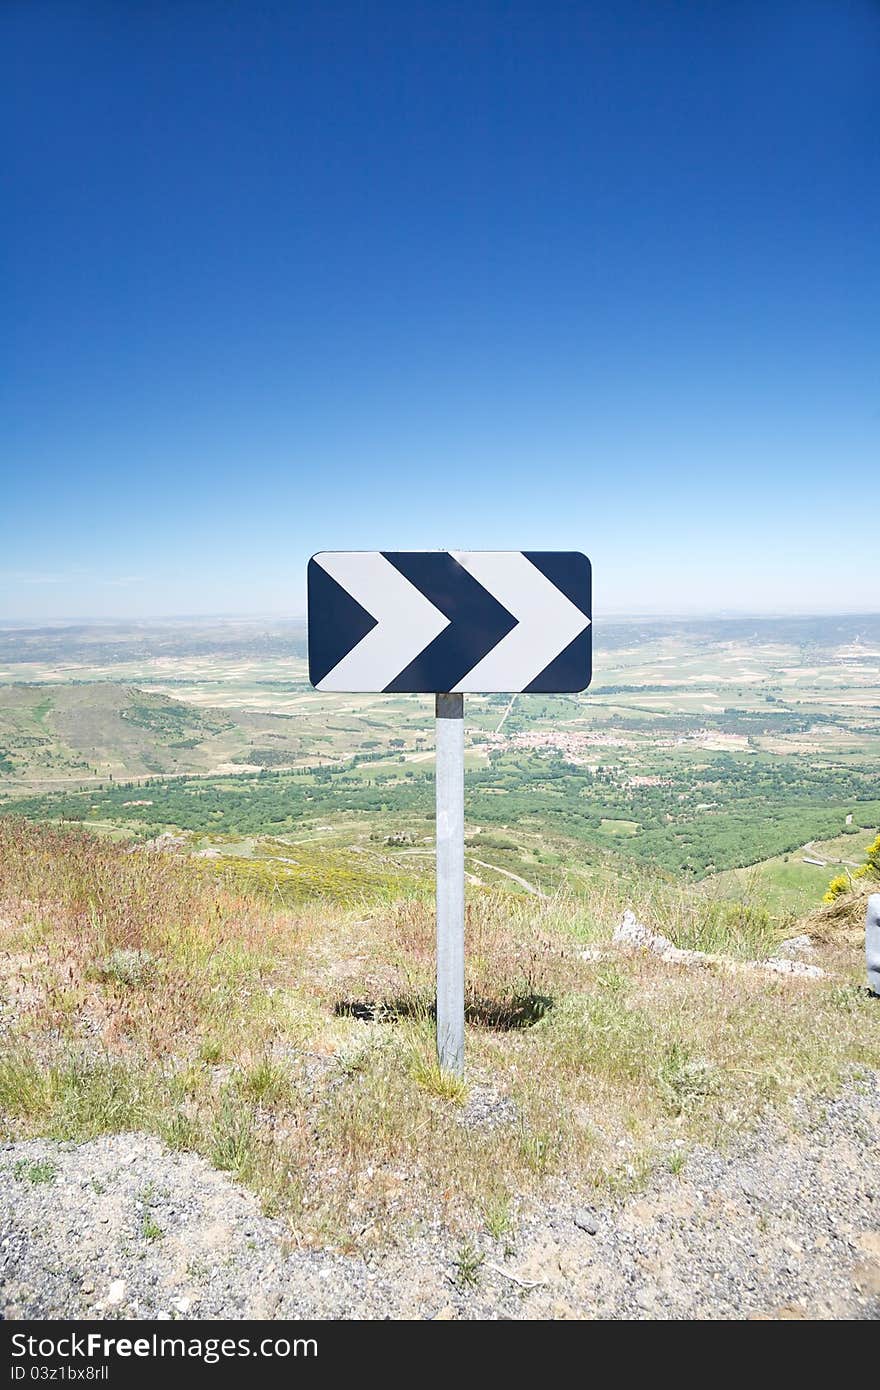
column 547, row 621
column 405, row 620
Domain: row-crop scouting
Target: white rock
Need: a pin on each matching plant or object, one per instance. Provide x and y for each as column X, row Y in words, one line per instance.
column 797, row 945
column 790, row 967
column 632, row 933
column 116, row 1292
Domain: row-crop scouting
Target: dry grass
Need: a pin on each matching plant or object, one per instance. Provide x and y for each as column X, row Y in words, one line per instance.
column 295, row 1047
column 842, row 917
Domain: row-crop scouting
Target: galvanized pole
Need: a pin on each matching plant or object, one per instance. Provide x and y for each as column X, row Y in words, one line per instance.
column 872, row 943
column 450, row 882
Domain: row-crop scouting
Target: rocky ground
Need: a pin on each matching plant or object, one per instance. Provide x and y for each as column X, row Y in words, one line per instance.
column 788, row 1227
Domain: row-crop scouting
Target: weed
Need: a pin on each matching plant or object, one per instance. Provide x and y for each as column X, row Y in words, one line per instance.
column 180, row 1131
column 356, row 1058
column 536, row 1149
column 611, row 981
column 150, row 1228
column 233, row 1138
column 35, row 1172
column 496, row 1215
column 468, row 1263
column 265, row 1082
column 128, row 968
column 685, row 1081
column 848, row 998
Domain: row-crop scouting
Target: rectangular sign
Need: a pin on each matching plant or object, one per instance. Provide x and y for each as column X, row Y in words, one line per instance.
column 433, row 621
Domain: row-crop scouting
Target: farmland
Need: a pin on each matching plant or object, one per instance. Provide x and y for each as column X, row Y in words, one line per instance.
column 702, row 748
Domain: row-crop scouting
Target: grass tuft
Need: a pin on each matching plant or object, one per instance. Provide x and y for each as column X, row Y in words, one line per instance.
column 437, row 1081
column 233, row 1138
column 150, row 1229
column 468, row 1263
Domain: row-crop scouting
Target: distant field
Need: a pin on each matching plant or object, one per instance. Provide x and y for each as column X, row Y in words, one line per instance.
column 703, row 747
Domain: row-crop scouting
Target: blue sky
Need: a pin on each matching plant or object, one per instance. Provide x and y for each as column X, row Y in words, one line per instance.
column 284, row 278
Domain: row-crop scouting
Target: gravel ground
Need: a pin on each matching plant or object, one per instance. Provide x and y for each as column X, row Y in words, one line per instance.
column 787, row 1227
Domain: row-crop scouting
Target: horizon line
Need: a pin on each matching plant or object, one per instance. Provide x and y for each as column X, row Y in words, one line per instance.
column 9, row 624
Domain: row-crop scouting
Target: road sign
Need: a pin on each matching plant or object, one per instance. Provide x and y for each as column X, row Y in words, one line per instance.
column 442, row 621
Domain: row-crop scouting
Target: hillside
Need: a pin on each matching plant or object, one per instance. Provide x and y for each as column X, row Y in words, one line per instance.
column 293, row 1048
column 105, row 731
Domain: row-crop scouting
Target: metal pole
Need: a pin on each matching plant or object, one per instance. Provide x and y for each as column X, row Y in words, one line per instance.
column 450, row 882
column 872, row 943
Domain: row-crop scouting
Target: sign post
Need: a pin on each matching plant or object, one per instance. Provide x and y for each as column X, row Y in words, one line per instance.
column 443, row 622
column 449, row 780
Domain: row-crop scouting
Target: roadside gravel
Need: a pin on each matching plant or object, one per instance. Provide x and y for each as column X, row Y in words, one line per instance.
column 786, row 1227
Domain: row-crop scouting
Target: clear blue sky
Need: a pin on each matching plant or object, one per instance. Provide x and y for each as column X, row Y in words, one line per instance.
column 285, row 277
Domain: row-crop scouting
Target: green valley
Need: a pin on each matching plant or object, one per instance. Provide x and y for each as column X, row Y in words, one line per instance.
column 702, row 748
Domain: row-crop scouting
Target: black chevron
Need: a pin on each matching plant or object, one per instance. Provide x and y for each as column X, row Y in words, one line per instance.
column 344, row 622
column 477, row 620
column 572, row 574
